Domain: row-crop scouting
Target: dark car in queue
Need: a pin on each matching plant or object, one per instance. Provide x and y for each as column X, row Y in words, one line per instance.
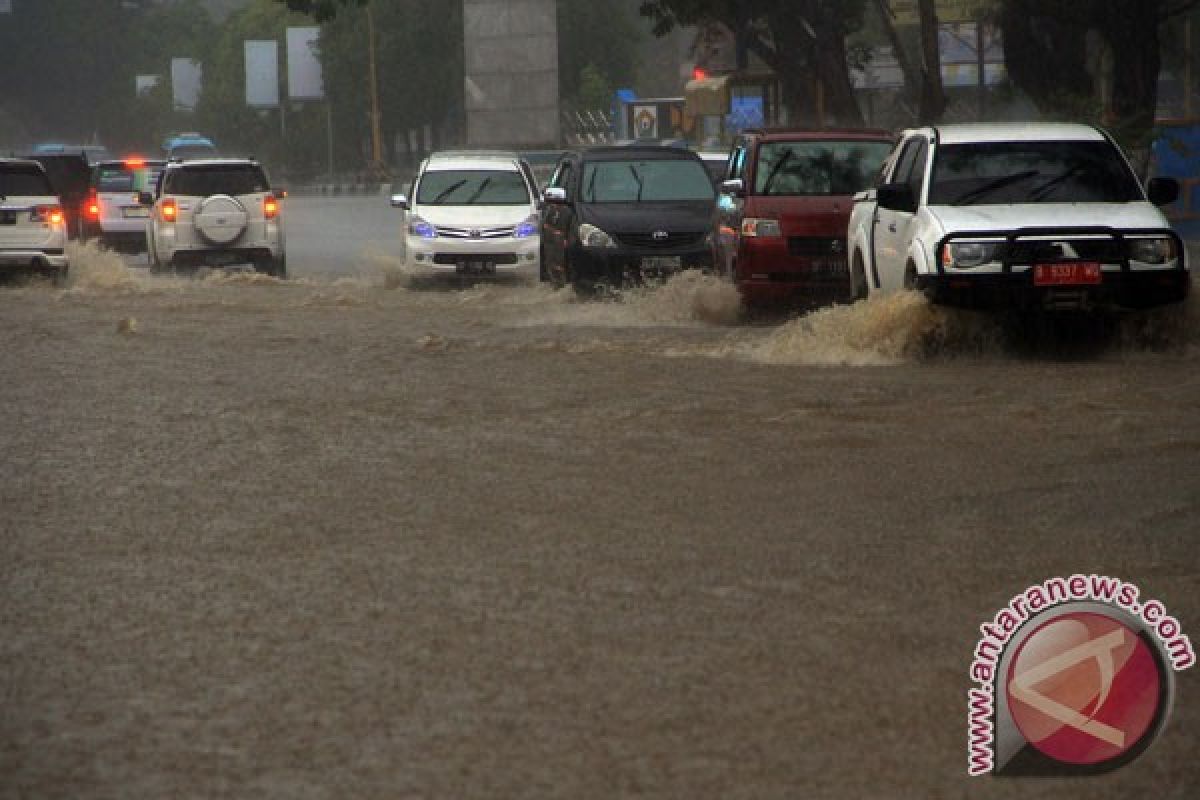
column 619, row 215
column 69, row 174
column 784, row 208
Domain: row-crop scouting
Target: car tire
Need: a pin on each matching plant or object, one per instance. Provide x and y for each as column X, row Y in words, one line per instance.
column 859, row 290
column 275, row 266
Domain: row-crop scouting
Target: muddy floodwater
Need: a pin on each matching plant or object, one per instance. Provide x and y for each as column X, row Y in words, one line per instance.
column 358, row 536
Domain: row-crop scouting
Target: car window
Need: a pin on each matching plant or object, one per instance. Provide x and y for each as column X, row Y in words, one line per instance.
column 215, row 179
column 737, row 162
column 114, row 179
column 1032, row 172
column 20, row 180
column 652, row 180
column 916, row 171
column 817, row 167
column 905, row 161
column 482, row 187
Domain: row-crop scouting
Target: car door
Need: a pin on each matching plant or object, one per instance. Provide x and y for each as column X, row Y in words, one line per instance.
column 893, row 228
column 555, row 216
column 731, row 206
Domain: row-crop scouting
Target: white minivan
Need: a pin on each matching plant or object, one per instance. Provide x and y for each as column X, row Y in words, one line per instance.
column 471, row 213
column 33, row 231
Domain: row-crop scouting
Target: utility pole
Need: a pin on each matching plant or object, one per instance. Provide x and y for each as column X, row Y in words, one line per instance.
column 376, row 132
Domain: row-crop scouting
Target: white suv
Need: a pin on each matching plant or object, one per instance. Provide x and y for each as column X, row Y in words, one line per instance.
column 112, row 211
column 33, row 230
column 471, row 212
column 215, row 212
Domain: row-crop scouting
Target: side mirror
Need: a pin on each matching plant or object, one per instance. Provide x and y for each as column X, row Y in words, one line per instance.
column 896, row 197
column 735, row 187
column 1162, row 191
column 145, row 198
column 555, row 194
column 400, row 201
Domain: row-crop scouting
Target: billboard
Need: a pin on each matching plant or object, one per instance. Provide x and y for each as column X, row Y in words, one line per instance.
column 144, row 84
column 187, row 78
column 303, row 67
column 511, row 80
column 262, row 73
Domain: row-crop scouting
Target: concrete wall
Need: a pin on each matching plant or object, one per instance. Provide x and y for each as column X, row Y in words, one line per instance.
column 511, row 76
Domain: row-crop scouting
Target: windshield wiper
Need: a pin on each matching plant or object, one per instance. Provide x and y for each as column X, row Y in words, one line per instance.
column 482, row 185
column 637, row 178
column 454, row 187
column 775, row 171
column 1052, row 184
column 993, row 185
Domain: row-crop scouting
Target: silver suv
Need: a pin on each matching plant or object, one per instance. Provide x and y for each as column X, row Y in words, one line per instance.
column 216, row 213
column 33, row 230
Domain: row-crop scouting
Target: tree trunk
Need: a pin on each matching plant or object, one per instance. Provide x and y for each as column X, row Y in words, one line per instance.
column 933, row 96
column 1131, row 29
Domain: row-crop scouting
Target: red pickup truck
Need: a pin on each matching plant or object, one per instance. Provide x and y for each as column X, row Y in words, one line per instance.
column 784, row 208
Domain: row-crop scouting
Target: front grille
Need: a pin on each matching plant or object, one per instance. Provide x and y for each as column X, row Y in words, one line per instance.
column 816, row 246
column 468, row 258
column 1026, row 251
column 653, row 241
column 476, row 233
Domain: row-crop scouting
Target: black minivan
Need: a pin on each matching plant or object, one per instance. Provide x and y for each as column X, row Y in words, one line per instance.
column 619, row 215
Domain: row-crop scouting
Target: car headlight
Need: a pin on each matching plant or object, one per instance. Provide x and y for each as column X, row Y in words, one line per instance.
column 591, row 236
column 965, row 255
column 759, row 228
column 1158, row 250
column 527, row 227
column 419, row 227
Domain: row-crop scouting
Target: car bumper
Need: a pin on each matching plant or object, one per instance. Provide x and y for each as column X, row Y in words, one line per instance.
column 1118, row 290
column 620, row 265
column 28, row 257
column 472, row 255
column 793, row 269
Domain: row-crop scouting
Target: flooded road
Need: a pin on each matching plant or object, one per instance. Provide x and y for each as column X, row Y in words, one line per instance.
column 352, row 535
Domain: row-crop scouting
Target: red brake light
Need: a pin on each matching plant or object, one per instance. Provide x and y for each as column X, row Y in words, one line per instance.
column 92, row 208
column 52, row 215
column 270, row 207
column 135, row 162
column 170, row 211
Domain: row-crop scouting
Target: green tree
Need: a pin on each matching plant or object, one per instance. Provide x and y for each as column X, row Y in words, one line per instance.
column 803, row 41
column 1091, row 59
column 68, row 67
column 597, row 45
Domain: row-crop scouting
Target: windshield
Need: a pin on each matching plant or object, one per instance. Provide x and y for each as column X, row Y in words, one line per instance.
column 650, row 181
column 120, row 178
column 818, row 168
column 186, row 151
column 473, row 188
column 1031, row 172
column 23, row 181
column 220, row 179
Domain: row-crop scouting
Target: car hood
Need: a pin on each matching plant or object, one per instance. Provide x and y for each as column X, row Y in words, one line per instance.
column 1048, row 215
column 642, row 217
column 473, row 216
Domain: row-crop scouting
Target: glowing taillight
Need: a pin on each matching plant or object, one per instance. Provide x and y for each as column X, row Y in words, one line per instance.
column 170, row 211
column 91, row 208
column 270, row 207
column 51, row 215
column 135, row 163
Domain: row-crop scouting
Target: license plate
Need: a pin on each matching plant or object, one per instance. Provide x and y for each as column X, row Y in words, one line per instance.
column 1079, row 273
column 8, row 218
column 476, row 266
column 662, row 263
column 828, row 268
column 135, row 211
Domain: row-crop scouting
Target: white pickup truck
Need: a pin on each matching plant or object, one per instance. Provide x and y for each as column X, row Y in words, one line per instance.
column 1017, row 216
